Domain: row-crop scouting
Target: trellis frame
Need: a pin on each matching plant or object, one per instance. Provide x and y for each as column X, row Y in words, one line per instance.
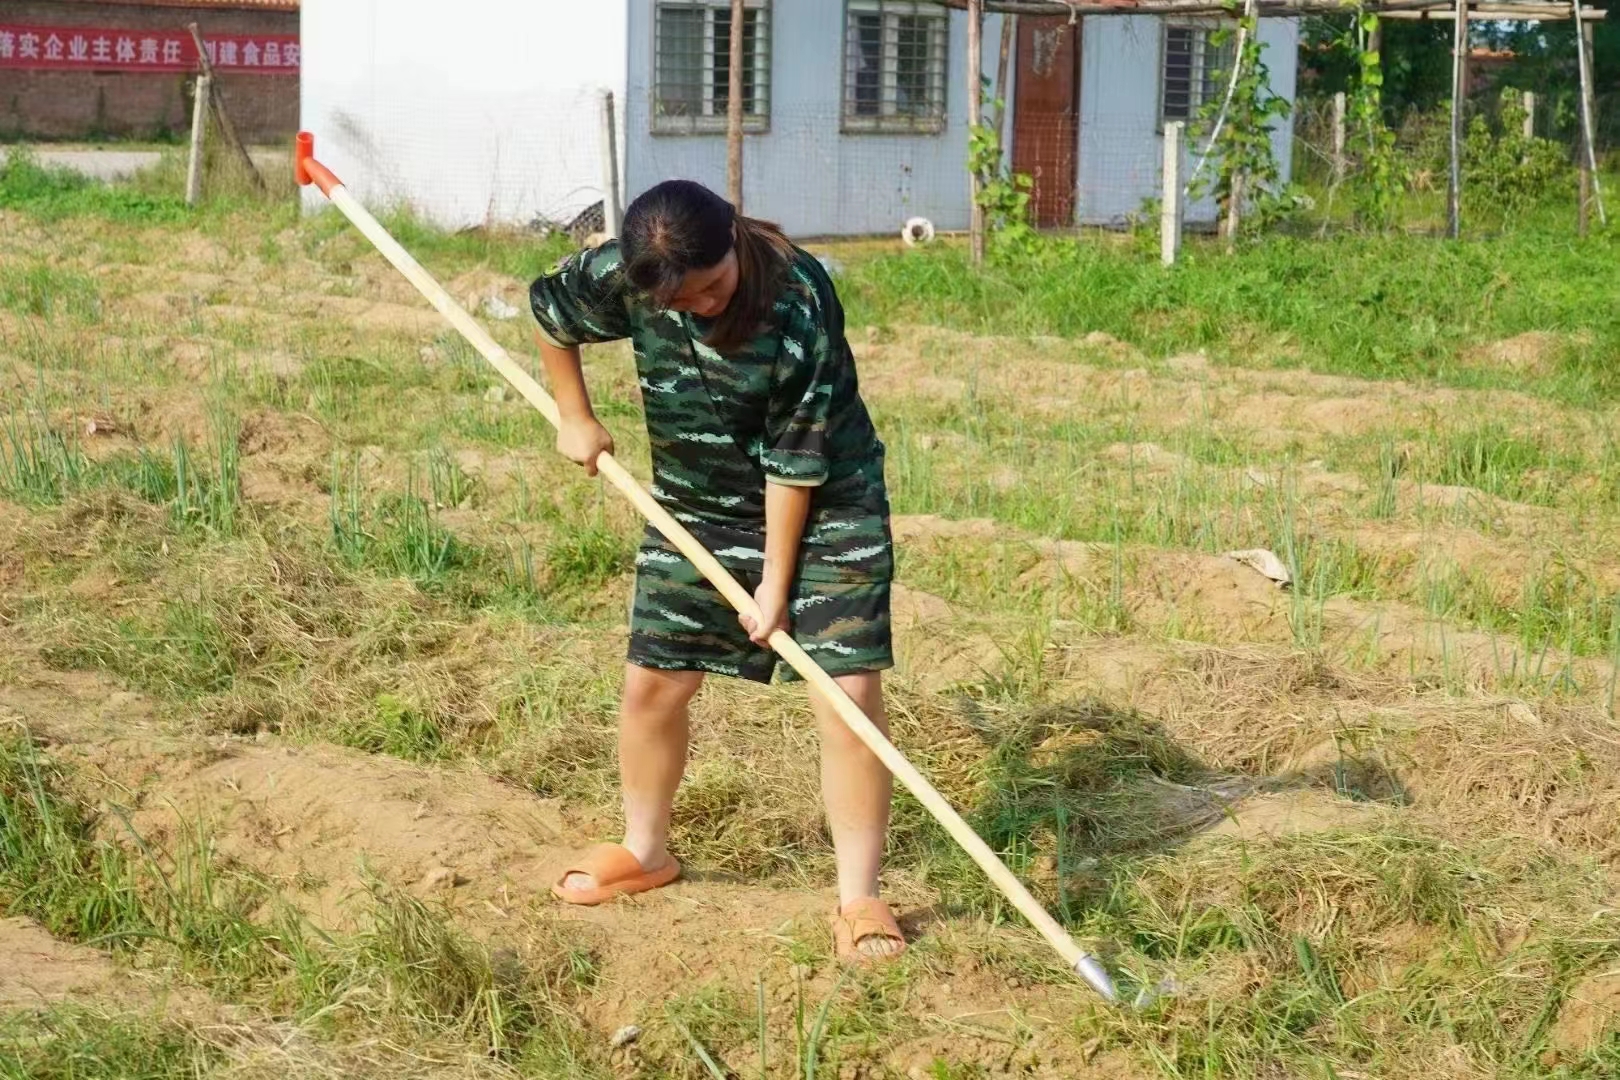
column 1459, row 10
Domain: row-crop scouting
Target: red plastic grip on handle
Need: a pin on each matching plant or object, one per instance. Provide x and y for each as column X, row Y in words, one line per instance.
column 306, row 170
column 303, row 150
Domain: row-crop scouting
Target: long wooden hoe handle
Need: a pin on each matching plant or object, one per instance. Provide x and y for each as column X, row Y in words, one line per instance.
column 310, row 171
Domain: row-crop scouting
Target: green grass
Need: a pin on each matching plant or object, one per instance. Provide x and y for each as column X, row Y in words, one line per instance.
column 50, row 293
column 1492, row 459
column 396, row 728
column 397, row 534
column 443, row 981
column 1377, row 307
column 200, row 493
column 1332, row 992
column 37, row 464
column 51, row 869
column 41, row 465
column 512, row 251
column 586, row 558
column 1556, row 605
column 65, row 1042
column 409, row 973
column 184, row 653
column 55, row 193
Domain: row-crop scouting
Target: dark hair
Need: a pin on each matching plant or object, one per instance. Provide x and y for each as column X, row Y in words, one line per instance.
column 679, row 226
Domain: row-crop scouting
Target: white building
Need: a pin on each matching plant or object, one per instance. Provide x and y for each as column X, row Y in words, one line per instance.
column 489, row 110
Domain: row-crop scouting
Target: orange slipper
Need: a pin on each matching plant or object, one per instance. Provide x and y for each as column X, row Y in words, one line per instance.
column 616, row 873
column 861, row 919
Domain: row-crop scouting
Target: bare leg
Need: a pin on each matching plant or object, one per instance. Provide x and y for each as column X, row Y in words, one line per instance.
column 856, row 789
column 653, row 732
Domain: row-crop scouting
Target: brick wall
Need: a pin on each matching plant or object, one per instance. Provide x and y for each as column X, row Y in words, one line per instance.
column 81, row 105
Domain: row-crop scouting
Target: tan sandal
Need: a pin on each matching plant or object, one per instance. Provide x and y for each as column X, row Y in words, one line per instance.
column 865, row 918
column 616, row 873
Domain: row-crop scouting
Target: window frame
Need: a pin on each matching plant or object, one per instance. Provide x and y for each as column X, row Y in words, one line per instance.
column 936, row 121
column 1204, row 27
column 709, row 122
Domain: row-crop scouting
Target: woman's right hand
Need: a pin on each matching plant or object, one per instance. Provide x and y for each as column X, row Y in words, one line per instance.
column 582, row 440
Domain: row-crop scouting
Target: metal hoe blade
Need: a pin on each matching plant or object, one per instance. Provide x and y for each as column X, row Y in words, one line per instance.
column 1089, row 968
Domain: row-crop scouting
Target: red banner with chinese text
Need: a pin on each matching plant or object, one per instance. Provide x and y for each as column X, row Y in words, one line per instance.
column 86, row 48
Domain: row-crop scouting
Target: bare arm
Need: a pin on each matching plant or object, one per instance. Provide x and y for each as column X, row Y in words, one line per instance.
column 787, row 506
column 567, row 379
column 580, row 437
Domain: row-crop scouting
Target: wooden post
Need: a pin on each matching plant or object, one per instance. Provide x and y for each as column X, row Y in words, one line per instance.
column 199, row 124
column 1170, row 210
column 1591, row 186
column 734, row 109
column 1338, row 138
column 975, row 74
column 612, row 215
column 1529, row 114
column 1583, row 196
column 1459, row 91
column 1234, row 211
column 1009, row 31
column 226, row 128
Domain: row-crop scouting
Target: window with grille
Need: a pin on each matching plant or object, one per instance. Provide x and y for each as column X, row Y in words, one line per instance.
column 692, row 62
column 894, row 66
column 1195, row 67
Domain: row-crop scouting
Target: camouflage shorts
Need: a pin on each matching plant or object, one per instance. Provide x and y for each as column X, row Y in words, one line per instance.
column 679, row 622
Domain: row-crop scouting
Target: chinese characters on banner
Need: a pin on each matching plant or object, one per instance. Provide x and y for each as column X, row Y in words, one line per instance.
column 81, row 48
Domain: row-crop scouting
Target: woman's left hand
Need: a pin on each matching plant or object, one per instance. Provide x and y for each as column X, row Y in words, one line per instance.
column 773, row 610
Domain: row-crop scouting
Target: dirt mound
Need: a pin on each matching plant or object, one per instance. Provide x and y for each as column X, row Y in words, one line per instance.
column 1534, row 352
column 1289, row 814
column 368, row 313
column 908, row 528
column 1123, row 670
column 1347, row 416
column 1544, row 771
column 1063, row 560
column 1209, row 596
column 306, row 819
column 1399, row 637
column 36, row 969
column 1217, row 599
column 937, row 656
column 282, row 455
column 198, row 250
column 1145, row 455
column 1264, row 411
column 473, row 287
column 73, row 706
column 1188, row 364
column 1404, row 549
column 1590, row 1012
column 914, row 608
column 1110, row 346
column 276, row 363
column 1313, row 480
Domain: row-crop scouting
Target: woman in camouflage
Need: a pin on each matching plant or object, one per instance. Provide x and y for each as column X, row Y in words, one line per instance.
column 762, row 447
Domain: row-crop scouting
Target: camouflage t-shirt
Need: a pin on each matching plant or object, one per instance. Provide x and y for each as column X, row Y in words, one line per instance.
column 785, row 408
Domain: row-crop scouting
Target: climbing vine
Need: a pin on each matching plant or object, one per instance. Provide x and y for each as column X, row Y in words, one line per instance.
column 1379, row 184
column 1003, row 194
column 1241, row 121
